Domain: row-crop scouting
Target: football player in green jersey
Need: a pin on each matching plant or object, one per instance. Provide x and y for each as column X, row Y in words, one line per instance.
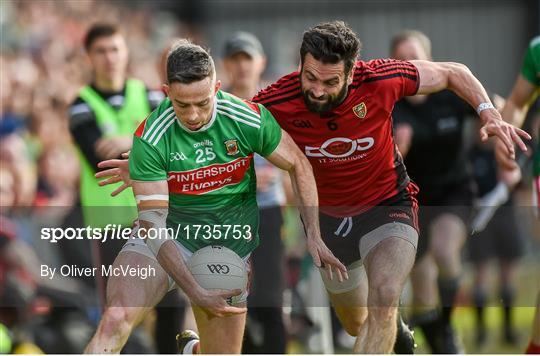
column 192, row 163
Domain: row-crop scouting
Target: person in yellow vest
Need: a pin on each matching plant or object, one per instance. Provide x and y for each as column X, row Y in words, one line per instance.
column 102, row 121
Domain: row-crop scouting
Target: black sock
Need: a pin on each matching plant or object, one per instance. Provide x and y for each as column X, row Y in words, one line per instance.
column 507, row 297
column 448, row 288
column 480, row 303
column 429, row 322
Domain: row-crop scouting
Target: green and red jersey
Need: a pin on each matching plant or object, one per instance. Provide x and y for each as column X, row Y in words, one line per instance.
column 531, row 71
column 210, row 171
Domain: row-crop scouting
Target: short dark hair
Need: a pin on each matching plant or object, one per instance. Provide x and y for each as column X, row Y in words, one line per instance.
column 97, row 31
column 331, row 42
column 188, row 63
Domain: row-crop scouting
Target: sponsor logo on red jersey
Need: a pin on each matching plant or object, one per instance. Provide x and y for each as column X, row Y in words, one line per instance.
column 340, row 147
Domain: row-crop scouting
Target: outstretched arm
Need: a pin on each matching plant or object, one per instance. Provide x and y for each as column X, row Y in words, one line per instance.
column 514, row 112
column 288, row 157
column 436, row 76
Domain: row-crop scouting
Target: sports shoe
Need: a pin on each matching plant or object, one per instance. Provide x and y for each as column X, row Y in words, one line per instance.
column 187, row 338
column 405, row 338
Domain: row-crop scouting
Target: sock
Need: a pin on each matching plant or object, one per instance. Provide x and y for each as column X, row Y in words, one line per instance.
column 533, row 349
column 191, row 348
column 448, row 288
column 430, row 324
column 507, row 298
column 480, row 302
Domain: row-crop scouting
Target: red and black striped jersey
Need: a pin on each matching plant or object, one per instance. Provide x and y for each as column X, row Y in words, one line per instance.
column 355, row 160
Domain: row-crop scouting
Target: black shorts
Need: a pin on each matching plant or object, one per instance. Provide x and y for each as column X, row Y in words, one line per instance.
column 454, row 199
column 502, row 238
column 343, row 235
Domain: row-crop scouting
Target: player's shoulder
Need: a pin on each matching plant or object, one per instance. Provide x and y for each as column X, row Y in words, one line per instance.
column 383, row 68
column 225, row 99
column 534, row 44
column 284, row 89
column 242, row 112
column 157, row 123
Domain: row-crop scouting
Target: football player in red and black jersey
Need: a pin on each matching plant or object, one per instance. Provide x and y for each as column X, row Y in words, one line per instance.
column 338, row 111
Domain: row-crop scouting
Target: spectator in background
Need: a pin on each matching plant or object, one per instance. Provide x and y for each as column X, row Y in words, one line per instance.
column 244, row 63
column 102, row 120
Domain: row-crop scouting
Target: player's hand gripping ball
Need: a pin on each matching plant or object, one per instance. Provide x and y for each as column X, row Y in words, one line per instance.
column 220, row 268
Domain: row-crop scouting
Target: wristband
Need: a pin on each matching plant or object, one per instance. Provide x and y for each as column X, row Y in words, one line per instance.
column 484, row 106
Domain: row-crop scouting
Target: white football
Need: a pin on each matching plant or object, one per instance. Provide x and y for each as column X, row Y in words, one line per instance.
column 218, row 267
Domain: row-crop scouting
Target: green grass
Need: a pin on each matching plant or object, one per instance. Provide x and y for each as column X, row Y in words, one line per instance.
column 464, row 322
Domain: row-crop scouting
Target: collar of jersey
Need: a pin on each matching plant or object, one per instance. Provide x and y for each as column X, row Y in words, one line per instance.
column 208, row 124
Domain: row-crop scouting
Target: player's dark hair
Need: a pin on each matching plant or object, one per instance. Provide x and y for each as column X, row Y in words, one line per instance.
column 331, row 42
column 99, row 30
column 188, row 63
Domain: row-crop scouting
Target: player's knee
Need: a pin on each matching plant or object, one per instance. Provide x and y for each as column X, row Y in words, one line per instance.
column 118, row 320
column 445, row 250
column 386, row 295
column 447, row 232
column 443, row 256
column 383, row 314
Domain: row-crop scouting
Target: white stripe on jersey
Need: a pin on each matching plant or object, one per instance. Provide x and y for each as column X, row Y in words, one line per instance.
column 249, row 111
column 163, row 131
column 164, row 122
column 234, row 112
column 163, row 114
column 79, row 109
column 239, row 119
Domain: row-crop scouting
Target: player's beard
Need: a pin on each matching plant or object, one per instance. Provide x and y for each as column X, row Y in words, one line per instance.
column 332, row 101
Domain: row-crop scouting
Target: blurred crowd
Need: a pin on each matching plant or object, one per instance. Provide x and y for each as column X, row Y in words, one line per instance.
column 43, row 65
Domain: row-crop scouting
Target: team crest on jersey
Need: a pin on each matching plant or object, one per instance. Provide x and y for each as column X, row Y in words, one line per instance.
column 232, row 147
column 360, row 110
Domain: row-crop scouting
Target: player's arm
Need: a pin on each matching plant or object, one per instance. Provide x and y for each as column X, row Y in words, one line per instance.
column 436, row 76
column 85, row 131
column 514, row 112
column 518, row 103
column 288, row 157
column 152, row 203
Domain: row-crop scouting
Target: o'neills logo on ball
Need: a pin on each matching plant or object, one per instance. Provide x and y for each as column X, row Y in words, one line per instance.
column 360, row 110
column 210, row 178
column 232, row 147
